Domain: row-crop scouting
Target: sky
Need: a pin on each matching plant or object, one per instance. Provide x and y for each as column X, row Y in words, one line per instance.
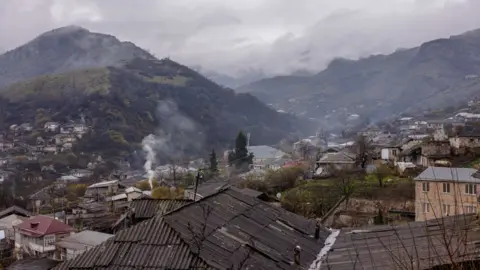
column 233, row 37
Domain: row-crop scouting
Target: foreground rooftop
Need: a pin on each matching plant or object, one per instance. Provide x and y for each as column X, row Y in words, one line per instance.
column 227, row 230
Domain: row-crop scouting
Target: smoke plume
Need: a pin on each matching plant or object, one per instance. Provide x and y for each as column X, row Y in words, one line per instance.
column 176, row 139
column 148, row 143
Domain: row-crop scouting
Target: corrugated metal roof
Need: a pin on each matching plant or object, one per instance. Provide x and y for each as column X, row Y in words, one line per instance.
column 443, row 174
column 416, row 245
column 148, row 208
column 227, row 230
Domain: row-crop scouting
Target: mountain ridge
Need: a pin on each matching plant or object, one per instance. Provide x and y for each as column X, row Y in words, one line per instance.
column 424, row 77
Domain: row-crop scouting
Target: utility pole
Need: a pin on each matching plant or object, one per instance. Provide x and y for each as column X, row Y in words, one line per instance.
column 197, row 180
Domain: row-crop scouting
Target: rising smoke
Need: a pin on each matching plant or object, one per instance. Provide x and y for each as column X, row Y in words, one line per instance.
column 175, row 139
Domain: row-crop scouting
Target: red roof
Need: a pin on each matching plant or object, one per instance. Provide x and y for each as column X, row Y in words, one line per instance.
column 293, row 164
column 42, row 225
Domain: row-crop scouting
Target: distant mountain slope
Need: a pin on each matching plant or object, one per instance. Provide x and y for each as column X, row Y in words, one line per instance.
column 439, row 73
column 121, row 104
column 65, row 49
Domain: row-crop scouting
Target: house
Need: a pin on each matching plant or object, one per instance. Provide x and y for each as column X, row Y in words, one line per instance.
column 435, row 124
column 441, row 191
column 81, row 173
column 133, row 193
column 51, row 126
column 89, row 207
column 68, row 179
column 45, row 197
column 10, row 217
column 104, row 188
column 66, row 129
column 467, row 137
column 426, row 153
column 270, row 164
column 7, row 223
column 72, row 246
column 14, row 210
column 80, row 128
column 335, row 161
column 240, row 232
column 37, row 235
column 262, row 153
column 61, row 139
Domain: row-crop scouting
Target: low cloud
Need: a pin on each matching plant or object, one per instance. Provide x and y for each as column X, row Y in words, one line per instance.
column 275, row 36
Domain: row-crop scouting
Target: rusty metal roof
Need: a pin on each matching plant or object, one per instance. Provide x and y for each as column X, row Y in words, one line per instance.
column 227, row 230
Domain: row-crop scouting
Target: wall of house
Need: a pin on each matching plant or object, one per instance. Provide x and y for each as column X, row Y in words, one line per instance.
column 389, row 153
column 457, row 200
column 467, row 142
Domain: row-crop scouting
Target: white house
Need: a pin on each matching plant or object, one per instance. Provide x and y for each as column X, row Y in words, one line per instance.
column 70, row 247
column 37, row 235
column 51, row 126
column 263, row 153
column 81, row 173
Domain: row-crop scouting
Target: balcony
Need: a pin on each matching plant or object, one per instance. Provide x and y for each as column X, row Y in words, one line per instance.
column 40, row 248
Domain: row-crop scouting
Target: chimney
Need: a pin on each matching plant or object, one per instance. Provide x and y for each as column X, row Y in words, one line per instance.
column 34, row 225
column 296, row 255
column 317, row 230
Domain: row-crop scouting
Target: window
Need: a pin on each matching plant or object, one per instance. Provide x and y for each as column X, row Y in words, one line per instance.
column 426, row 207
column 446, row 209
column 469, row 209
column 394, row 152
column 471, row 189
column 425, row 187
column 49, row 240
column 446, row 187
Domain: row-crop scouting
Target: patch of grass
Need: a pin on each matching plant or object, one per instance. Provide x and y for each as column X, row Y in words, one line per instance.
column 176, row 81
column 55, row 85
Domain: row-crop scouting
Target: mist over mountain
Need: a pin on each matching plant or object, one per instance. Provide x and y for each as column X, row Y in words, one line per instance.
column 118, row 87
column 436, row 74
column 65, row 49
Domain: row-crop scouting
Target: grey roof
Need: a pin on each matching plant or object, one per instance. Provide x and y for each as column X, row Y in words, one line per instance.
column 148, row 208
column 83, row 240
column 214, row 185
column 265, row 151
column 251, row 192
column 14, row 210
column 33, row 264
column 416, row 245
column 442, row 174
column 227, row 230
column 337, row 157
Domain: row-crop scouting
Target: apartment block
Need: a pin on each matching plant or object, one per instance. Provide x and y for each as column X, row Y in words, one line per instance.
column 442, row 191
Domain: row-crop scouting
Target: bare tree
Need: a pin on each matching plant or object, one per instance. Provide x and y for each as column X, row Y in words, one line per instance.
column 363, row 150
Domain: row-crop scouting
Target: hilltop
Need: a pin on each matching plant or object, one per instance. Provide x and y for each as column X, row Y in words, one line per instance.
column 436, row 74
column 65, row 49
